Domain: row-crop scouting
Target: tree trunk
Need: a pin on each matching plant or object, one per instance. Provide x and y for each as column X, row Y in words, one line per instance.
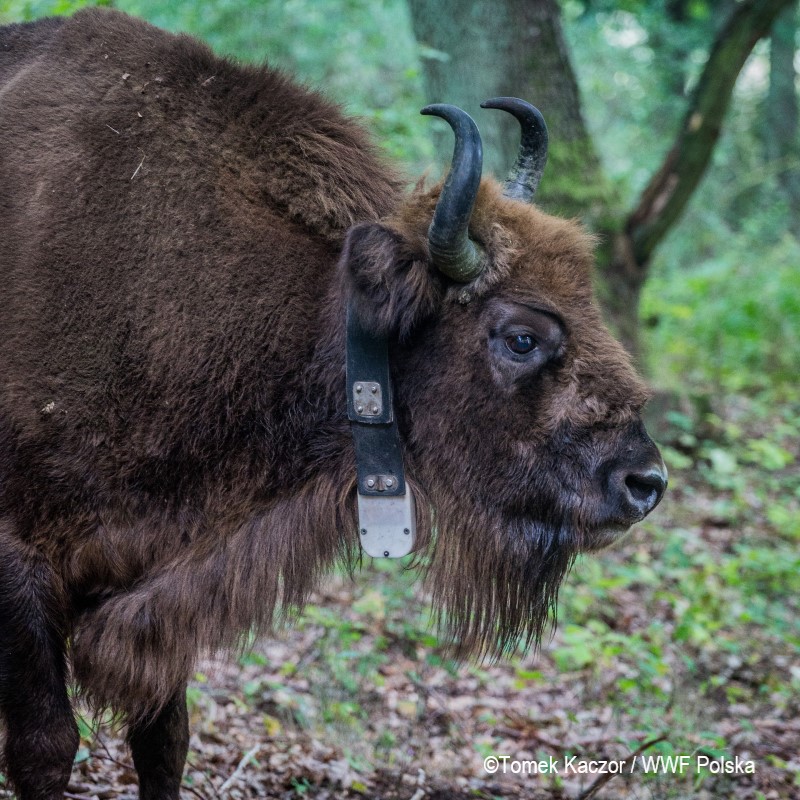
column 781, row 129
column 477, row 50
column 516, row 47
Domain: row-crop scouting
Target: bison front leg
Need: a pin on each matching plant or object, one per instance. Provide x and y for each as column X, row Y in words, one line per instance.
column 41, row 735
column 159, row 749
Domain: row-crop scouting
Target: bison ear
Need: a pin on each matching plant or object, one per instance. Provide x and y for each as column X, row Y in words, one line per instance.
column 389, row 287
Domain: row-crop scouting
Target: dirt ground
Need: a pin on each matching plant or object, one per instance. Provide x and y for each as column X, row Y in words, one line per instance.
column 309, row 713
column 253, row 741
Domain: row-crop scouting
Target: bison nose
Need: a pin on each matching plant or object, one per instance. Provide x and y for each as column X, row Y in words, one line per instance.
column 639, row 491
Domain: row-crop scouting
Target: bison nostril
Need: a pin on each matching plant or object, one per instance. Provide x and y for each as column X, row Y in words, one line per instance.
column 645, row 489
column 640, row 490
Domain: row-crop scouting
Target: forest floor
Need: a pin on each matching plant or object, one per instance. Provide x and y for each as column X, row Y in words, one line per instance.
column 683, row 640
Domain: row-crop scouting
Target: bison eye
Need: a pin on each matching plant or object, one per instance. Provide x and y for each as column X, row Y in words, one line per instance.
column 521, row 344
column 522, row 341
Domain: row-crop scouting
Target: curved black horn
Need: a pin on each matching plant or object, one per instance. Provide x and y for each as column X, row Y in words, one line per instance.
column 527, row 172
column 452, row 252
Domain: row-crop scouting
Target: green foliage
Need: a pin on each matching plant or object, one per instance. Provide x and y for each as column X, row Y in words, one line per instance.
column 27, row 10
column 728, row 324
column 718, row 594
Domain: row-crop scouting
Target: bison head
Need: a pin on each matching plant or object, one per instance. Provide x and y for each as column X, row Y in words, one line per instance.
column 519, row 411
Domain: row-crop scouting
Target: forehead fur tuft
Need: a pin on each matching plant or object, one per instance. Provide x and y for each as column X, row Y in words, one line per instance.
column 517, row 237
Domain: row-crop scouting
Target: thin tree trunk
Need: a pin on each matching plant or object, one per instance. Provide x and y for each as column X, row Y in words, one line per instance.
column 781, row 117
column 628, row 251
column 669, row 190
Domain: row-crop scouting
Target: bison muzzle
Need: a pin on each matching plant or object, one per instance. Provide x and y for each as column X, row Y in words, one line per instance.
column 181, row 240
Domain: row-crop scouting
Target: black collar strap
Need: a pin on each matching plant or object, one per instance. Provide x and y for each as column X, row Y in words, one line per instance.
column 385, row 505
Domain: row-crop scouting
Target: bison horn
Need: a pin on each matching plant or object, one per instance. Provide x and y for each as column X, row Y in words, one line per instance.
column 452, row 251
column 527, row 172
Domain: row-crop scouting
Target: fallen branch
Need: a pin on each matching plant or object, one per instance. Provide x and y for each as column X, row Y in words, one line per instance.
column 246, row 758
column 603, row 779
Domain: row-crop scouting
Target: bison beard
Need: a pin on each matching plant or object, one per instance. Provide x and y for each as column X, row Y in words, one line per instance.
column 181, row 239
column 495, row 580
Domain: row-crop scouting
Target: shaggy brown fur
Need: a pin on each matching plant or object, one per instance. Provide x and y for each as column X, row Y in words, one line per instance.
column 176, row 466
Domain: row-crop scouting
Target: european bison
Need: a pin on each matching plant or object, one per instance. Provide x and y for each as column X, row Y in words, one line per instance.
column 181, row 238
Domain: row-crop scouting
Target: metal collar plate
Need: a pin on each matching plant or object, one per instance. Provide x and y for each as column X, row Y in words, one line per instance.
column 367, row 399
column 387, row 525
